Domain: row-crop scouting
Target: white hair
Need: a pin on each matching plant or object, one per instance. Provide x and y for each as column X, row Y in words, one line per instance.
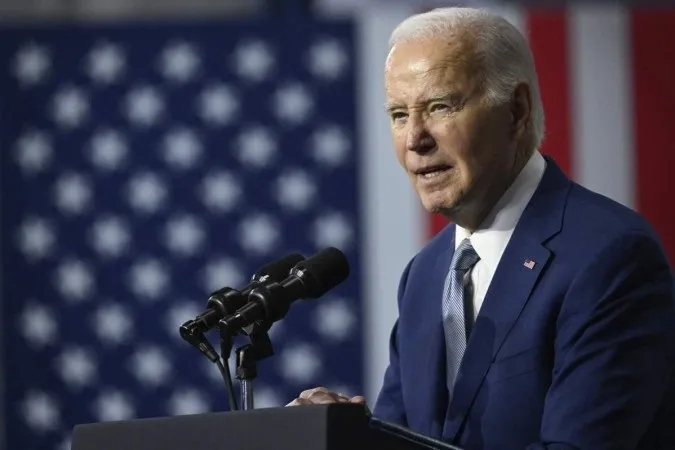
column 502, row 49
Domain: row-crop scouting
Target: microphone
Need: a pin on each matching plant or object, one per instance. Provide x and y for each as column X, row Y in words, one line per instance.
column 271, row 301
column 226, row 301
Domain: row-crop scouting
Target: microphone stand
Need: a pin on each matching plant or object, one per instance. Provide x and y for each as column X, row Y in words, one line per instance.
column 248, row 355
column 246, row 373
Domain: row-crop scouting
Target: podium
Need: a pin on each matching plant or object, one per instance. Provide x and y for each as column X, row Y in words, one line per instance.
column 311, row 427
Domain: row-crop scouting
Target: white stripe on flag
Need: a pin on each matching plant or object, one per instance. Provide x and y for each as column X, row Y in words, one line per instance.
column 601, row 95
column 394, row 223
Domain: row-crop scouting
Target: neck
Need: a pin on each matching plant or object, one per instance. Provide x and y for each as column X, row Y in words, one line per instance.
column 470, row 215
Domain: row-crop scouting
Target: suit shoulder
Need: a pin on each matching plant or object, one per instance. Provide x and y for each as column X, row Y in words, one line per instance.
column 596, row 215
column 595, row 225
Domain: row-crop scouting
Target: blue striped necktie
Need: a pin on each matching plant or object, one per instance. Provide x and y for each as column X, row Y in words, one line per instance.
column 454, row 324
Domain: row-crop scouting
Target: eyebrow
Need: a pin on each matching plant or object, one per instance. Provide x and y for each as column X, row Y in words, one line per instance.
column 448, row 95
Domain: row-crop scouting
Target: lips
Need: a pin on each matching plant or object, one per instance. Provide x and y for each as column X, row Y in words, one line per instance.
column 432, row 169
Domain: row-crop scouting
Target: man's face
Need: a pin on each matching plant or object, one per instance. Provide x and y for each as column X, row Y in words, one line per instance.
column 454, row 148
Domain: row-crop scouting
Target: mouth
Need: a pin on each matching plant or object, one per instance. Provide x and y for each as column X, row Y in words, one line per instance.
column 430, row 172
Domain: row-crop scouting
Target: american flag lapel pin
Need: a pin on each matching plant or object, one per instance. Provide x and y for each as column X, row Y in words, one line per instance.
column 529, row 264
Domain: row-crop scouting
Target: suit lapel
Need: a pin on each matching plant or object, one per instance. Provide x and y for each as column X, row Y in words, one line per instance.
column 523, row 262
column 431, row 353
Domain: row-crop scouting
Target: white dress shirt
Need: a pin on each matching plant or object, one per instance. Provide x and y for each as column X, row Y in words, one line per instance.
column 492, row 236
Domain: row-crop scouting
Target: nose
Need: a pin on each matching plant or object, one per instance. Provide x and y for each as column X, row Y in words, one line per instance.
column 419, row 140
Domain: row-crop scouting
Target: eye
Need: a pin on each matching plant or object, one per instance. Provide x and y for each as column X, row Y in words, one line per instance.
column 439, row 107
column 398, row 115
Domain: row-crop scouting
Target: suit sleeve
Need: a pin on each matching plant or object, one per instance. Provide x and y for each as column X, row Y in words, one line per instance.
column 614, row 350
column 389, row 403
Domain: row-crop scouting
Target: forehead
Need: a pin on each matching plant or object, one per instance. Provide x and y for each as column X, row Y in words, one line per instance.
column 418, row 67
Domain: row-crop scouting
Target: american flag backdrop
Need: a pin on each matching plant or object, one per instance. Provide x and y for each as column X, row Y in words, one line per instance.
column 143, row 167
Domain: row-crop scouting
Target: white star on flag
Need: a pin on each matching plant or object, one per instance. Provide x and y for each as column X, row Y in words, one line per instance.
column 293, row 103
column 334, row 319
column 38, row 325
column 74, row 280
column 218, row 105
column 266, row 397
column 110, row 236
column 220, row 191
column 113, row 405
column 70, row 107
column 112, row 323
column 256, row 147
column 105, row 63
column 299, row 363
column 295, row 190
column 332, row 230
column 221, row 272
column 73, row 193
column 143, row 106
column 151, row 366
column 184, row 235
column 253, row 60
column 182, row 148
column 187, row 401
column 258, row 233
column 146, row 192
column 148, row 279
column 108, row 149
column 77, row 366
column 33, row 151
column 36, row 238
column 41, row 412
column 327, row 59
column 179, row 62
column 32, row 64
column 329, row 146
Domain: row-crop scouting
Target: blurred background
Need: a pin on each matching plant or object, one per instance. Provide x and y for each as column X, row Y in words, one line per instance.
column 154, row 151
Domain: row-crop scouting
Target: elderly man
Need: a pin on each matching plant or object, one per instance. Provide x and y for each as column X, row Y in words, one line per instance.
column 544, row 316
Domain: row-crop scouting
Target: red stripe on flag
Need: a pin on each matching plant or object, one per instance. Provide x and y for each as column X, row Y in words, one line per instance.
column 436, row 224
column 654, row 97
column 547, row 30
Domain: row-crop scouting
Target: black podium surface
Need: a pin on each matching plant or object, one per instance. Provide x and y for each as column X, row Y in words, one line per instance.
column 312, row 427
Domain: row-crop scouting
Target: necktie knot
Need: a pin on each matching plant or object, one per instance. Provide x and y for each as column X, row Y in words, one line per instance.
column 465, row 256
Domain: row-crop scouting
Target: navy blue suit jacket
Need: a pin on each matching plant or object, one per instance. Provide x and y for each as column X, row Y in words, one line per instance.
column 577, row 352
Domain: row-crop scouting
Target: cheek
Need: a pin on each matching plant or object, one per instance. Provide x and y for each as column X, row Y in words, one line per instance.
column 464, row 144
column 469, row 137
column 452, row 139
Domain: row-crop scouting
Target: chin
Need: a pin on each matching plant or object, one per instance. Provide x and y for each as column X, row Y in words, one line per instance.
column 448, row 204
column 436, row 205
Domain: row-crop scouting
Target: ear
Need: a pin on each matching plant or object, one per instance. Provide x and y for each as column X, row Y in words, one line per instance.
column 521, row 109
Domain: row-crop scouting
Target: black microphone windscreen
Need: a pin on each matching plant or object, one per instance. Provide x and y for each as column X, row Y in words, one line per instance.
column 279, row 269
column 326, row 269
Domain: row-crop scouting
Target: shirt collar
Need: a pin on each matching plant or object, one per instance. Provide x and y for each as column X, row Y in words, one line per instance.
column 492, row 236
